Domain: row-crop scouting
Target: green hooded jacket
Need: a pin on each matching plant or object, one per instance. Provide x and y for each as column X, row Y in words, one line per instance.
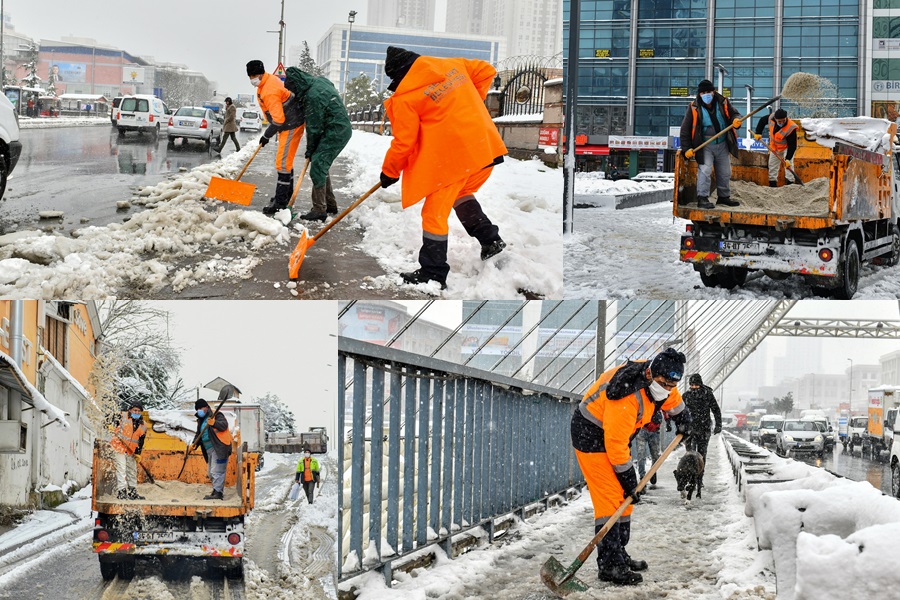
column 327, row 125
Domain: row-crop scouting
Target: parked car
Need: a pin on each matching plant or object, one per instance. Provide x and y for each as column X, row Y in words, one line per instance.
column 195, row 123
column 796, row 435
column 768, row 427
column 142, row 113
column 10, row 146
column 250, row 120
column 115, row 106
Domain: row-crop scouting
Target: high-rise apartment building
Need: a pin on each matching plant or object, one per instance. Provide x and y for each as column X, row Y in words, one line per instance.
column 406, row 14
column 531, row 27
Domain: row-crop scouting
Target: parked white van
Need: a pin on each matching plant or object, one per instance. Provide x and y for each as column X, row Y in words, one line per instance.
column 10, row 146
column 142, row 113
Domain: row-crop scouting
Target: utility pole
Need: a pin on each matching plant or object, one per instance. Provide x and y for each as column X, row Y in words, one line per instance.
column 2, row 56
column 350, row 19
column 281, row 35
column 850, row 390
column 571, row 107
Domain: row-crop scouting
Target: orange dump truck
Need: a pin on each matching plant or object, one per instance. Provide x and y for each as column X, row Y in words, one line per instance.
column 174, row 522
column 846, row 214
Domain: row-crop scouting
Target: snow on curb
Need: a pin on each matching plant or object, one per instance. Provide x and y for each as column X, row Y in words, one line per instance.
column 52, row 122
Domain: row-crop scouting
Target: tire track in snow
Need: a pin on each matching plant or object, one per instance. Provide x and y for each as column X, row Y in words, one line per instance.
column 320, row 563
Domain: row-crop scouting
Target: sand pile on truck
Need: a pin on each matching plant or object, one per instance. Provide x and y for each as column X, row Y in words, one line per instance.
column 813, row 95
column 807, row 200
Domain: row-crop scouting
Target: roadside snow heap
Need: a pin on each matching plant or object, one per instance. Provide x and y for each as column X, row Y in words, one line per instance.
column 830, row 537
column 865, row 132
column 144, row 252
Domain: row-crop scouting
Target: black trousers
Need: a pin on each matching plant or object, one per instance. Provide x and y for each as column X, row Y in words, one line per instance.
column 309, row 487
column 225, row 136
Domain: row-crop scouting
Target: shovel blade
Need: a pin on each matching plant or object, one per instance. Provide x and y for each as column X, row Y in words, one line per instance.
column 226, row 190
column 560, row 580
column 298, row 254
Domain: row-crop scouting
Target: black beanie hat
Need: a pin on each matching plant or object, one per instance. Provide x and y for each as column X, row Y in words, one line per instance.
column 397, row 63
column 136, row 404
column 696, row 379
column 255, row 67
column 201, row 403
column 780, row 114
column 706, row 86
column 668, row 363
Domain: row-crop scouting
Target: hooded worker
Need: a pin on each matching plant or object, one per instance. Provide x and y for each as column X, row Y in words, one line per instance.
column 127, row 443
column 285, row 116
column 215, row 441
column 613, row 410
column 707, row 115
column 328, row 130
column 783, row 140
column 445, row 145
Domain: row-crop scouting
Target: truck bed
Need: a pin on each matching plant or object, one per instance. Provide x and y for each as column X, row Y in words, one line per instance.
column 168, row 496
column 810, row 200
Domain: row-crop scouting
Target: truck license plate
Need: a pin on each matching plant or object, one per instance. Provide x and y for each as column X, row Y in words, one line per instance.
column 154, row 536
column 748, row 247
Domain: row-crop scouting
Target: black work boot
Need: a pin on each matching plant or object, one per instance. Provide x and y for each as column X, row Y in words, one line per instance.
column 330, row 202
column 619, row 575
column 133, row 494
column 479, row 226
column 317, row 212
column 282, row 194
column 433, row 261
column 703, row 202
column 773, row 183
column 122, row 494
column 215, row 495
column 727, row 201
column 624, row 537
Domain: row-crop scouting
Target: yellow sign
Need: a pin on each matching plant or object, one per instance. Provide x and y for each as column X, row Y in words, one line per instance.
column 678, row 91
column 279, row 72
column 604, row 53
column 646, row 53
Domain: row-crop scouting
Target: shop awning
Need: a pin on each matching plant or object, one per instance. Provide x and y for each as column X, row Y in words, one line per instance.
column 592, row 150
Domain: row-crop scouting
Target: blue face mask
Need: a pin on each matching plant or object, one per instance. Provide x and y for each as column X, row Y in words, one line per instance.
column 201, row 412
column 135, row 415
column 707, row 97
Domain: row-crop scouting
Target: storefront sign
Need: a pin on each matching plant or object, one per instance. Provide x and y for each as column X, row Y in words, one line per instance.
column 549, row 136
column 629, row 142
column 678, row 91
column 660, row 160
column 133, row 75
column 602, row 53
column 885, row 86
column 646, row 53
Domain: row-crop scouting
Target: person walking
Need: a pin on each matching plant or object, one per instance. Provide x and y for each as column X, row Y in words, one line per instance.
column 445, row 145
column 647, row 442
column 707, row 115
column 614, row 408
column 701, row 400
column 285, row 116
column 230, row 127
column 127, row 443
column 308, row 474
column 215, row 441
column 328, row 130
column 783, row 140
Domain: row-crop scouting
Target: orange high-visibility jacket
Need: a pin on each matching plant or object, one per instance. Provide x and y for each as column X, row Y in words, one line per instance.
column 778, row 139
column 126, row 438
column 442, row 130
column 621, row 418
column 271, row 95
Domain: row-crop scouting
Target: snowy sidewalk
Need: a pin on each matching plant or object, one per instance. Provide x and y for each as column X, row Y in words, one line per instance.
column 706, row 550
column 48, row 122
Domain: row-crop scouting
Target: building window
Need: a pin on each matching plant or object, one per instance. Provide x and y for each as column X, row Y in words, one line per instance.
column 55, row 339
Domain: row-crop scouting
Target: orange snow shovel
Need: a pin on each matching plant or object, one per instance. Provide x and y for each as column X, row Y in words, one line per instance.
column 233, row 190
column 562, row 581
column 306, row 242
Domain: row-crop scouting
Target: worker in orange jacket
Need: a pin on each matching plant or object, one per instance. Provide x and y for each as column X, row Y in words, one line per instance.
column 284, row 113
column 127, row 443
column 613, row 410
column 446, row 146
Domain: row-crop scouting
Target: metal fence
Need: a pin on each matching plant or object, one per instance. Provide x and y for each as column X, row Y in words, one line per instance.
column 431, row 449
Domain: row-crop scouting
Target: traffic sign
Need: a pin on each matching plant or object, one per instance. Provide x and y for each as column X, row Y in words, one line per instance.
column 279, row 72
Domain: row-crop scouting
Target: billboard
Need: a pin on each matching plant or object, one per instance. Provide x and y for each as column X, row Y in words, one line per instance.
column 501, row 343
column 133, row 75
column 65, row 72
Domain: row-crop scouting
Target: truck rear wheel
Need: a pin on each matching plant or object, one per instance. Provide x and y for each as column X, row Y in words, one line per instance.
column 107, row 569
column 895, row 480
column 728, row 278
column 893, row 259
column 126, row 569
column 848, row 274
column 236, row 572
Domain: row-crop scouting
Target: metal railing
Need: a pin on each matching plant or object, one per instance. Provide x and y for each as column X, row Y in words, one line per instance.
column 431, row 449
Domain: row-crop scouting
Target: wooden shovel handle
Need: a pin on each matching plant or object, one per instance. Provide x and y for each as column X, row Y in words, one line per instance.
column 347, row 210
column 299, row 181
column 640, row 486
column 731, row 125
column 252, row 156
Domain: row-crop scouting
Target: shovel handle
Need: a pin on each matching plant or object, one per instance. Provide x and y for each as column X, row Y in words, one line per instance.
column 640, row 486
column 252, row 156
column 731, row 125
column 783, row 161
column 299, row 181
column 347, row 210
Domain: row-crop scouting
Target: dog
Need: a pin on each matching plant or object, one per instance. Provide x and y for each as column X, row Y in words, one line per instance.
column 689, row 474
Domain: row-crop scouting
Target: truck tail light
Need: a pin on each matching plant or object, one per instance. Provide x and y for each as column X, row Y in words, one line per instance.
column 204, row 124
column 825, row 254
column 103, row 535
column 234, row 539
column 689, row 227
column 689, row 243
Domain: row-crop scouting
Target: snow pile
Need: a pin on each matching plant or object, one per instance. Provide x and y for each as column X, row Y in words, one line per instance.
column 524, row 199
column 596, row 183
column 37, row 399
column 65, row 373
column 143, row 252
column 866, row 132
column 48, row 122
column 529, row 118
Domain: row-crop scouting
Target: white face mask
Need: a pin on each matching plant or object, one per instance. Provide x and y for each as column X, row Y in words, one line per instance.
column 658, row 392
column 256, row 81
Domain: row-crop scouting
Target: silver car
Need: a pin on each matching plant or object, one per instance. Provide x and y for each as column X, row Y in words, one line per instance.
column 795, row 435
column 195, row 123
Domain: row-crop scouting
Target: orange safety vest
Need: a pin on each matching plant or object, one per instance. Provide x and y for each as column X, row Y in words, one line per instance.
column 307, row 471
column 126, row 437
column 621, row 418
column 695, row 114
column 271, row 96
column 224, row 436
column 778, row 139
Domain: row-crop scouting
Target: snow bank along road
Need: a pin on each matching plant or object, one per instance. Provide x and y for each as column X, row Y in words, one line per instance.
column 635, row 253
column 59, row 563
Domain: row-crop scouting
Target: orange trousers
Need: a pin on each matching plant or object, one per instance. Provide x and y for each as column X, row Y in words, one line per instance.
column 437, row 208
column 603, row 485
column 288, row 142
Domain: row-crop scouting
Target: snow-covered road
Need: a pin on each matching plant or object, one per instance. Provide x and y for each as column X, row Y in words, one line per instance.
column 634, row 253
column 704, row 550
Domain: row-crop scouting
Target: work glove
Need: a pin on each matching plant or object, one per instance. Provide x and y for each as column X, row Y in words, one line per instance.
column 388, row 181
column 668, row 424
column 788, row 165
column 211, row 421
column 689, row 153
column 737, row 123
column 757, row 136
column 318, row 484
column 137, row 458
column 718, row 429
column 683, row 422
column 628, row 480
column 263, row 141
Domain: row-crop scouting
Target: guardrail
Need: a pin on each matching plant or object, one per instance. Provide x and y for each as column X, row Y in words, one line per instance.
column 435, row 448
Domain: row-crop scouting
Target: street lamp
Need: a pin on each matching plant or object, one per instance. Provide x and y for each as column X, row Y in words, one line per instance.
column 350, row 19
column 749, row 108
column 850, row 390
column 722, row 73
